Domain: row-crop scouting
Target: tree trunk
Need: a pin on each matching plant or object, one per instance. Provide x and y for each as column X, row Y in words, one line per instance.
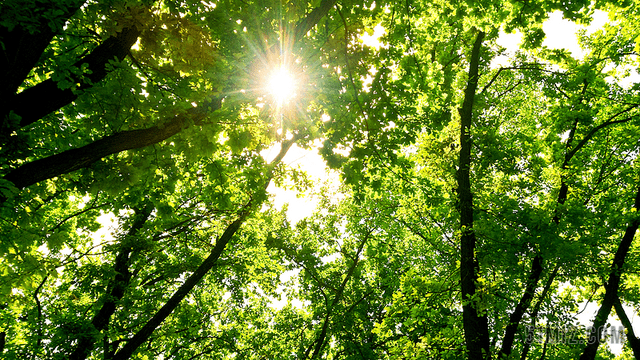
column 521, row 308
column 192, row 281
column 22, row 48
column 476, row 330
column 115, row 290
column 611, row 288
column 82, row 157
column 634, row 342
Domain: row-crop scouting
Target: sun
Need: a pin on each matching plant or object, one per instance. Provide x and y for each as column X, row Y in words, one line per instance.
column 282, row 85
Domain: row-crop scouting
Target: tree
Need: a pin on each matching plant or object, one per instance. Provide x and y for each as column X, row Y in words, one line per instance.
column 479, row 204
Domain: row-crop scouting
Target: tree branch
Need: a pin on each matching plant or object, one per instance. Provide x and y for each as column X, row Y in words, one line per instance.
column 22, row 48
column 74, row 159
column 312, row 19
column 192, row 281
column 523, row 305
column 634, row 342
column 116, row 287
column 593, row 131
column 49, row 97
column 536, row 308
column 39, row 308
column 611, row 288
column 320, row 341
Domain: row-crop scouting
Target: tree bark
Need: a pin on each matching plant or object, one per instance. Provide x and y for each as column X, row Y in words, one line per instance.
column 476, row 329
column 521, row 308
column 634, row 342
column 49, row 97
column 611, row 288
column 115, row 290
column 22, row 48
column 74, row 159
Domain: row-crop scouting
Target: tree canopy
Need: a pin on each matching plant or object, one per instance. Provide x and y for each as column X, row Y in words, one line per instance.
column 479, row 205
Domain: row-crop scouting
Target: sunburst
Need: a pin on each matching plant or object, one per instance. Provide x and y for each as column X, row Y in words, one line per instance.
column 282, row 85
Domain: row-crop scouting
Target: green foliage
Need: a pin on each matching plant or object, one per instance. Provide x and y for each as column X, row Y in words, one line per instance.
column 375, row 272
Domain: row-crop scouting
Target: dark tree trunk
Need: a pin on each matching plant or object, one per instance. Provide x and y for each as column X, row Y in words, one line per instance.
column 143, row 334
column 22, row 48
column 476, row 329
column 74, row 159
column 521, row 308
column 611, row 288
column 116, row 288
column 192, row 281
column 49, row 97
column 634, row 342
column 536, row 310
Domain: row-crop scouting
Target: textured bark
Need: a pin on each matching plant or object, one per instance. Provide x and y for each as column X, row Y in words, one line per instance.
column 611, row 288
column 116, row 288
column 476, row 329
column 49, row 97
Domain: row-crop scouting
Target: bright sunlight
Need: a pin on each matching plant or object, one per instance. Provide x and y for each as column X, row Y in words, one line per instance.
column 282, row 85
